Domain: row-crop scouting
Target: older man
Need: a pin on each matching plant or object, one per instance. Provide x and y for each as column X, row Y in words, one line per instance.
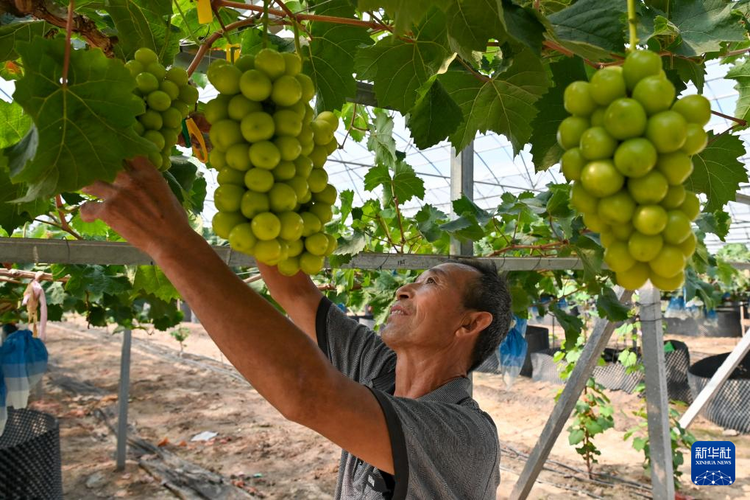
column 398, row 404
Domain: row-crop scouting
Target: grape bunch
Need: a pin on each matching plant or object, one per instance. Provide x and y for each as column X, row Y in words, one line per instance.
column 168, row 97
column 273, row 196
column 628, row 148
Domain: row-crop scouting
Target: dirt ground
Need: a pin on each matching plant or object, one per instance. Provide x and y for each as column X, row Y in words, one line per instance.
column 174, row 398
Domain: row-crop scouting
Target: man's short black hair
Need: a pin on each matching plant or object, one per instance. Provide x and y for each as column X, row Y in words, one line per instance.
column 488, row 293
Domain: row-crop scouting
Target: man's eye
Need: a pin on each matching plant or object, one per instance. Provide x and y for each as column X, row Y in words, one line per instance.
column 429, row 280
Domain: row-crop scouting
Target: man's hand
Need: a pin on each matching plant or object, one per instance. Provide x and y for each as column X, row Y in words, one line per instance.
column 139, row 206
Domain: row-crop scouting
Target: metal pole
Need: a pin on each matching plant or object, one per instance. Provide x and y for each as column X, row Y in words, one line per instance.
column 462, row 184
column 568, row 399
column 657, row 401
column 122, row 421
column 708, row 392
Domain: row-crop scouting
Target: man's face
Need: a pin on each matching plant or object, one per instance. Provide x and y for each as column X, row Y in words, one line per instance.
column 428, row 311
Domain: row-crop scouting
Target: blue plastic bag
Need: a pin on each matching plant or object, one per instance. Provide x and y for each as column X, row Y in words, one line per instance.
column 513, row 351
column 23, row 361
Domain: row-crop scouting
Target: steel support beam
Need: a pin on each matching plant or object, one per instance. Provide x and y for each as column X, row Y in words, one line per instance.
column 34, row 251
column 723, row 373
column 122, row 401
column 589, row 358
column 657, row 400
column 462, row 184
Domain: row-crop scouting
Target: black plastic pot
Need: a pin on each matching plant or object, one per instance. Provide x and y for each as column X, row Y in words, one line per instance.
column 30, row 465
column 730, row 407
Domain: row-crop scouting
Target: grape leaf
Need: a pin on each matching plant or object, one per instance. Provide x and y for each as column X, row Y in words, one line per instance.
column 403, row 12
column 14, row 124
column 503, row 103
column 472, row 24
column 399, row 68
column 610, row 307
column 688, row 70
column 741, row 74
column 20, row 32
column 152, row 280
column 717, row 171
column 332, row 53
column 428, row 221
column 434, row 117
column 92, row 282
column 573, row 325
column 525, row 25
column 143, row 23
column 717, row 222
column 591, row 28
column 14, row 215
column 252, row 41
column 704, row 25
column 85, row 129
column 90, row 230
column 402, row 182
column 380, row 140
column 545, row 150
column 195, row 31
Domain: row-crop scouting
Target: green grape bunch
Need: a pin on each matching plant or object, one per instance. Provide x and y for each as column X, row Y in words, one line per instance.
column 273, row 198
column 168, row 96
column 628, row 148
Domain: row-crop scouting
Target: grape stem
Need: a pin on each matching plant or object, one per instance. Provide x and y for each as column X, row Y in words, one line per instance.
column 68, row 32
column 265, row 23
column 63, row 221
column 633, row 26
column 738, row 121
column 215, row 36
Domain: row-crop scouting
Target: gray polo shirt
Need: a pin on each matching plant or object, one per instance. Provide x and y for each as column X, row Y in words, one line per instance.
column 444, row 446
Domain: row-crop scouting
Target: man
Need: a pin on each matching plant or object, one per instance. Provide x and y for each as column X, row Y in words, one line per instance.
column 397, row 404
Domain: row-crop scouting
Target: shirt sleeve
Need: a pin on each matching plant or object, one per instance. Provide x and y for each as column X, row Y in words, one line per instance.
column 440, row 450
column 355, row 350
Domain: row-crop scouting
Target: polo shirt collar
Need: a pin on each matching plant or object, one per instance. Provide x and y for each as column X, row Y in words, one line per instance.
column 452, row 392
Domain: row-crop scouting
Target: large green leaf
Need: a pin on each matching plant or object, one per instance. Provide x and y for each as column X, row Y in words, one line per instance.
column 85, row 129
column 718, row 171
column 144, row 23
column 434, row 117
column 704, row 25
column 403, row 12
column 525, row 25
column 399, row 68
column 20, row 32
column 14, row 124
column 14, row 215
column 401, row 182
column 592, row 28
column 332, row 53
column 503, row 103
column 152, row 280
column 380, row 140
column 472, row 24
column 428, row 221
column 544, row 147
column 741, row 74
column 192, row 29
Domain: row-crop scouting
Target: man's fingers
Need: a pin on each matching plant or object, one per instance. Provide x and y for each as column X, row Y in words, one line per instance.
column 91, row 210
column 140, row 163
column 100, row 189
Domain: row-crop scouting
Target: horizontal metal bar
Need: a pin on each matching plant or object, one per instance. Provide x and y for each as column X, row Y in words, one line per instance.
column 32, row 250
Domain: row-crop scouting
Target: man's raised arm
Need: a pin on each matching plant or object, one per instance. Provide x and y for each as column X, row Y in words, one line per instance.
column 297, row 294
column 274, row 355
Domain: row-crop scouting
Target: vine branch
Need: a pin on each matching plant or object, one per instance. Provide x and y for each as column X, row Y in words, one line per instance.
column 79, row 24
column 63, row 221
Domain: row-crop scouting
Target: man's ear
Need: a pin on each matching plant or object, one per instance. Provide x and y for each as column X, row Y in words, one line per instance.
column 474, row 322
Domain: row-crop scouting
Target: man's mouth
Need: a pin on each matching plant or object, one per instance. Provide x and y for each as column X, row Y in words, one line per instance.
column 398, row 311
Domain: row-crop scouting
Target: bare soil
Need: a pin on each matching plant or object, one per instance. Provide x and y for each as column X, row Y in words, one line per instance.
column 173, row 398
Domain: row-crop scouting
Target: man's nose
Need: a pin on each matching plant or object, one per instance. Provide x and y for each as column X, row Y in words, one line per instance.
column 405, row 292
